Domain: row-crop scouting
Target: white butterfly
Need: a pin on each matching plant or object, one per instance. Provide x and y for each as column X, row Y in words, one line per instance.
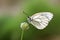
column 40, row 20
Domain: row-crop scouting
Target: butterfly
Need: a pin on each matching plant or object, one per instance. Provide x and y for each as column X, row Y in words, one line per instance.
column 40, row 20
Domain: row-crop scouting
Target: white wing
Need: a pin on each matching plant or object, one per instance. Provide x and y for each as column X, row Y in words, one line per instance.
column 41, row 20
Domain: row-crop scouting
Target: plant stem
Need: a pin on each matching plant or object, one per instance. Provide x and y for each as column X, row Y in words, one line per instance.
column 22, row 34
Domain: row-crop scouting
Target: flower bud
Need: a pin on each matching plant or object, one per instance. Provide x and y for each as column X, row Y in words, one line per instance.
column 24, row 26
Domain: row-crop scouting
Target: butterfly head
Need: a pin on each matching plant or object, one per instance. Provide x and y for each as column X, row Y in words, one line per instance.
column 29, row 19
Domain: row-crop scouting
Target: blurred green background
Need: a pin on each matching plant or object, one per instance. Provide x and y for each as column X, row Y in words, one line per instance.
column 10, row 26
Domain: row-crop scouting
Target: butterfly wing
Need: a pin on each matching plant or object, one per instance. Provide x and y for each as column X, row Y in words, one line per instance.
column 41, row 20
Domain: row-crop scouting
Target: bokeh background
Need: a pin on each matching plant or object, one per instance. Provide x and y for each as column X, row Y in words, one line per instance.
column 11, row 16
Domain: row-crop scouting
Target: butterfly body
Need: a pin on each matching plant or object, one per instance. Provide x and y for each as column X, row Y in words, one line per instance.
column 40, row 20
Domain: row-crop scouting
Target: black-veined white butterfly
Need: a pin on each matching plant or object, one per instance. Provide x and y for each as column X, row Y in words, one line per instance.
column 40, row 20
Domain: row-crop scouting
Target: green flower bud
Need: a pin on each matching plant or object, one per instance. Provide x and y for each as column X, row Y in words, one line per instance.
column 24, row 26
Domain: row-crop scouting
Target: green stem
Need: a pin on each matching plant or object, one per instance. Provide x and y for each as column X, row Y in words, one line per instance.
column 22, row 34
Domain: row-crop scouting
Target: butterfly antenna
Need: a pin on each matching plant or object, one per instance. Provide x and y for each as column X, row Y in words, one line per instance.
column 25, row 14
